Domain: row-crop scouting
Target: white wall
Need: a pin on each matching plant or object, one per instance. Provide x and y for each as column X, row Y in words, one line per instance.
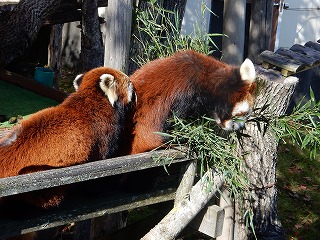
column 299, row 24
column 194, row 15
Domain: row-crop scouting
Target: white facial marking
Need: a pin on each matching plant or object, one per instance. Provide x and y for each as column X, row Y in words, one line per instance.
column 130, row 92
column 233, row 125
column 218, row 120
column 241, row 108
column 75, row 81
column 108, row 85
column 247, row 71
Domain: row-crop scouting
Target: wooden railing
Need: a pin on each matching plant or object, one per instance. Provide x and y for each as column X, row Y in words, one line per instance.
column 88, row 207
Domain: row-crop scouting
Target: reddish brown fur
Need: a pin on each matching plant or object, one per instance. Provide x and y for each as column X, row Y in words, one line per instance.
column 83, row 128
column 162, row 83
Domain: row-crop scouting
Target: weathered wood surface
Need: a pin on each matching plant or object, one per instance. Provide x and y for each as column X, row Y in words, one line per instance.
column 93, row 170
column 284, row 62
column 260, row 28
column 314, row 45
column 182, row 214
column 305, row 59
column 118, row 34
column 306, row 50
column 82, row 210
column 209, row 221
column 188, row 173
column 260, row 157
column 294, row 60
column 234, row 17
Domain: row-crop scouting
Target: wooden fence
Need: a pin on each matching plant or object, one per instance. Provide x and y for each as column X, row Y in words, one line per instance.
column 90, row 207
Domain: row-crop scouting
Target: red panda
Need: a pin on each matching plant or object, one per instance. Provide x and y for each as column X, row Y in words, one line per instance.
column 85, row 127
column 189, row 84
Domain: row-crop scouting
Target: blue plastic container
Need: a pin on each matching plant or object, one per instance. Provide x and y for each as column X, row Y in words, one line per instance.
column 44, row 76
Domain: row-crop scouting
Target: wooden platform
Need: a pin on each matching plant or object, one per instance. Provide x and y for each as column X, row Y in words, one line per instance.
column 291, row 61
column 86, row 206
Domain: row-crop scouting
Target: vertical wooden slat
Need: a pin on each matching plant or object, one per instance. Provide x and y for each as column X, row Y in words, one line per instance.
column 260, row 28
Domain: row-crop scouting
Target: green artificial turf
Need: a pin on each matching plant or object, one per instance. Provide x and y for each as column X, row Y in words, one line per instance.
column 16, row 101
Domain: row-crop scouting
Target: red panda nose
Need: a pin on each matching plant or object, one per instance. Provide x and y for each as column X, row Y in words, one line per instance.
column 232, row 124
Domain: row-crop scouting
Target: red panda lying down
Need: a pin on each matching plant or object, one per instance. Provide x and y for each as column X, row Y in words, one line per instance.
column 189, row 84
column 85, row 127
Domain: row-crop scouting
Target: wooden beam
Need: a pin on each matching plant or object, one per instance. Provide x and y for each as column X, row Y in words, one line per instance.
column 82, row 209
column 260, row 28
column 83, row 172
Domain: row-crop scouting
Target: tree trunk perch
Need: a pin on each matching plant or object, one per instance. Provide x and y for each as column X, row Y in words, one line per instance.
column 260, row 155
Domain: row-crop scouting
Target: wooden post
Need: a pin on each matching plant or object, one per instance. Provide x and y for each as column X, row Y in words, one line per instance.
column 260, row 156
column 227, row 204
column 182, row 214
column 118, row 34
column 188, row 173
column 260, row 28
column 54, row 53
column 234, row 16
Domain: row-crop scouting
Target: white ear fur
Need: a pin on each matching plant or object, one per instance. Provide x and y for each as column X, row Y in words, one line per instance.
column 247, row 71
column 75, row 81
column 130, row 92
column 109, row 85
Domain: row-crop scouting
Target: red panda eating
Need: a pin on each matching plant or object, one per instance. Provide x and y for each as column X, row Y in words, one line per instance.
column 189, row 84
column 85, row 127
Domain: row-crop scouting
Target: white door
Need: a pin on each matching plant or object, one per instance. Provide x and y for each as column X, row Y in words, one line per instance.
column 299, row 23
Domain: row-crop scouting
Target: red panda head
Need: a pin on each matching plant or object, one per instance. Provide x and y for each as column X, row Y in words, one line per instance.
column 115, row 84
column 239, row 96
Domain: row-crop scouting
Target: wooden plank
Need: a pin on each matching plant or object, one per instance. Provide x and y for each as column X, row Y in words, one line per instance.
column 313, row 45
column 306, row 50
column 282, row 61
column 260, row 28
column 93, row 170
column 33, row 86
column 310, row 61
column 82, row 210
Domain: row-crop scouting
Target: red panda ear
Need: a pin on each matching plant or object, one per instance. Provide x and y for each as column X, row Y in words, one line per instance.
column 247, row 71
column 108, row 85
column 77, row 81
